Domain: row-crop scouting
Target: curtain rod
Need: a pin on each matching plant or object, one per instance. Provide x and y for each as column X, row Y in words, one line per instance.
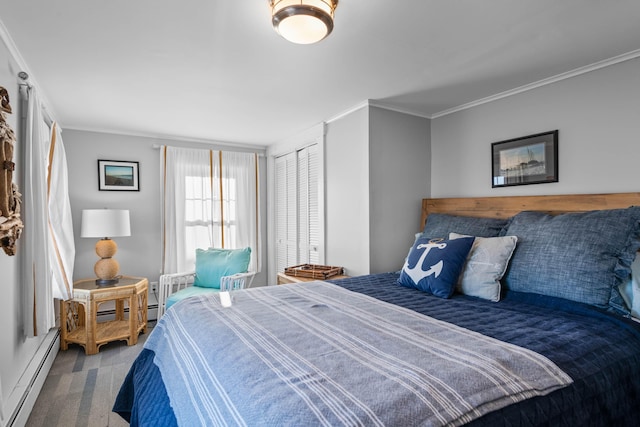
column 159, row 146
column 25, row 84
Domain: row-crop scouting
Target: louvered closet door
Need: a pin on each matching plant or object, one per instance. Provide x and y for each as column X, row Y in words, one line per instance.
column 297, row 208
column 285, row 205
column 308, row 219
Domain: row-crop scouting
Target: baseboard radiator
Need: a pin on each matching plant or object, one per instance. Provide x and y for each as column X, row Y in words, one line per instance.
column 110, row 313
column 24, row 396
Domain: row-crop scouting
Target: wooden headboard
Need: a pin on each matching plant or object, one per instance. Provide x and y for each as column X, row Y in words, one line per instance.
column 505, row 207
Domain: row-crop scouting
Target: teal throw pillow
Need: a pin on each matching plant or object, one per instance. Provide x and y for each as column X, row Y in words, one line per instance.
column 213, row 264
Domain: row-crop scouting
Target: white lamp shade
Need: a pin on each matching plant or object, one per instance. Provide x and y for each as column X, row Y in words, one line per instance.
column 105, row 223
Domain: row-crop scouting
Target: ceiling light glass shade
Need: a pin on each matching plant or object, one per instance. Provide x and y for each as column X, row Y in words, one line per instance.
column 303, row 21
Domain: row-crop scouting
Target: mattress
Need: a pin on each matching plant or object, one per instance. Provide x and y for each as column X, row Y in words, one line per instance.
column 599, row 351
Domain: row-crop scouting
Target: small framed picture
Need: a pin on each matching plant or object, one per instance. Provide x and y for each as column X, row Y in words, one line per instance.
column 116, row 175
column 531, row 159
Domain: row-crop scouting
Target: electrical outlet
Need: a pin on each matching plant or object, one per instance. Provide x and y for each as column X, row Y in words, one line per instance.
column 154, row 286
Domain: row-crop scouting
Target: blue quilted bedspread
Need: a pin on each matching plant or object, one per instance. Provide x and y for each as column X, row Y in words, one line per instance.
column 601, row 353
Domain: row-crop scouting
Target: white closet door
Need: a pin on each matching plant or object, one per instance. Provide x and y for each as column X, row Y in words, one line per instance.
column 285, row 201
column 308, row 218
column 298, row 230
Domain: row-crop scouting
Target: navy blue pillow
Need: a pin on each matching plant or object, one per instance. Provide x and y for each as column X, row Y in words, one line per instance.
column 581, row 257
column 433, row 266
column 440, row 225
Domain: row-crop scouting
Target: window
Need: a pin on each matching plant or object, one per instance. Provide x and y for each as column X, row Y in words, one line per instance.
column 204, row 226
column 297, row 204
column 210, row 200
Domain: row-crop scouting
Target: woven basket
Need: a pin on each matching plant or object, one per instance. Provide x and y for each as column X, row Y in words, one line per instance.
column 313, row 271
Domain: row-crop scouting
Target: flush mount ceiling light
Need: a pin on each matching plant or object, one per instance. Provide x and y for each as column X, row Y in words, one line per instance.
column 303, row 21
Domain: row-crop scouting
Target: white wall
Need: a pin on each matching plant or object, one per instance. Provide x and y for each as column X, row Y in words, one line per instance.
column 377, row 172
column 598, row 118
column 139, row 254
column 347, row 192
column 16, row 351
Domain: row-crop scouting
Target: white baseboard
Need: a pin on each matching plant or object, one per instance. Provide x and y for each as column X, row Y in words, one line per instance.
column 24, row 395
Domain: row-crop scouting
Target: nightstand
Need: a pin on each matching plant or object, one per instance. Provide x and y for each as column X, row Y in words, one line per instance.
column 78, row 314
column 284, row 279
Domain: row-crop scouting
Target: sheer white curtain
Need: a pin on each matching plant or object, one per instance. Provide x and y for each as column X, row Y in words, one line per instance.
column 181, row 168
column 209, row 199
column 61, row 243
column 241, row 201
column 47, row 244
column 38, row 312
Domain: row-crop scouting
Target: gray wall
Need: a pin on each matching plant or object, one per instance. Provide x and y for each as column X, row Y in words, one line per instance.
column 598, row 118
column 400, row 175
column 377, row 171
column 139, row 254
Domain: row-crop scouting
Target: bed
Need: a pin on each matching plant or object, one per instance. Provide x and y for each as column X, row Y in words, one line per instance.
column 537, row 329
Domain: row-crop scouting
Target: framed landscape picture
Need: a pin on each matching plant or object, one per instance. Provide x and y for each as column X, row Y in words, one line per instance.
column 116, row 175
column 531, row 159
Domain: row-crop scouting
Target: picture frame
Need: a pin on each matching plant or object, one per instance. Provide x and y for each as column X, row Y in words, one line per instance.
column 117, row 175
column 531, row 159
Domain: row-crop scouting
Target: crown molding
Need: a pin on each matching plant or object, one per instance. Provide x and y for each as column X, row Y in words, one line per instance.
column 378, row 104
column 569, row 74
column 347, row 112
column 540, row 83
column 260, row 149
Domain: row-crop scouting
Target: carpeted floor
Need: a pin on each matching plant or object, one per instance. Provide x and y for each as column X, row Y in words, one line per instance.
column 80, row 390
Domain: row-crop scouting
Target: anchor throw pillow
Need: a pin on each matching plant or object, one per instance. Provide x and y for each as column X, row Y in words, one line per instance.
column 433, row 266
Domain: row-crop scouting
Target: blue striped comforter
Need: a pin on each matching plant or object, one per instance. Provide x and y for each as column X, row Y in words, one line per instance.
column 318, row 354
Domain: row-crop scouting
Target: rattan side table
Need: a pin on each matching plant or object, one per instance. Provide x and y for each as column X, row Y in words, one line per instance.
column 79, row 323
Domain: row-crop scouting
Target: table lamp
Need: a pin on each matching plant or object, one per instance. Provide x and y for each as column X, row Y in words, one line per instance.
column 105, row 223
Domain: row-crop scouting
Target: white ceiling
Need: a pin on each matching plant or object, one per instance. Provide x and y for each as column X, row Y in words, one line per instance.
column 214, row 70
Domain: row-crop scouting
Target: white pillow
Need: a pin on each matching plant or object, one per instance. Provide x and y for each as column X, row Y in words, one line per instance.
column 486, row 264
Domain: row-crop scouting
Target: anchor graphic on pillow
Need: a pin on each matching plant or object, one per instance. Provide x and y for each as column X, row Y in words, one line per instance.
column 416, row 273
